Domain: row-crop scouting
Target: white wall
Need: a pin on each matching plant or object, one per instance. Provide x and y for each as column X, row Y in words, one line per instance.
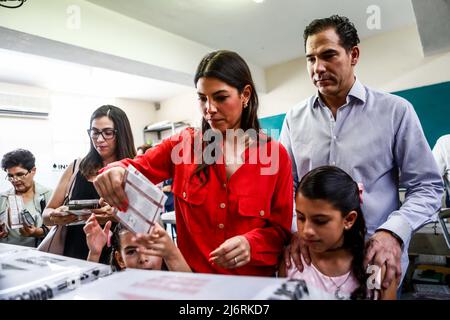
column 390, row 62
column 396, row 62
column 62, row 137
column 140, row 114
column 101, row 30
column 84, row 24
column 181, row 108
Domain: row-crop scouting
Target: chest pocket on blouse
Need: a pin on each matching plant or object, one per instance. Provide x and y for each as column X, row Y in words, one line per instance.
column 192, row 197
column 253, row 212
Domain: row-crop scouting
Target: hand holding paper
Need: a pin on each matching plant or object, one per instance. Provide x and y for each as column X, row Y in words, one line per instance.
column 145, row 205
column 110, row 186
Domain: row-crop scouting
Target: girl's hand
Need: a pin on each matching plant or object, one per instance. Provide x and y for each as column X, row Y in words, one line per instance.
column 58, row 216
column 233, row 253
column 157, row 243
column 96, row 237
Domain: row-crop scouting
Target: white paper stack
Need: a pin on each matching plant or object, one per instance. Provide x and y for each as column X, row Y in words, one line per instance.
column 136, row 284
column 145, row 200
column 26, row 273
column 16, row 206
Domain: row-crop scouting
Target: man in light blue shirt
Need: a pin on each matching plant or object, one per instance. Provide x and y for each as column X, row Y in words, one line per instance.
column 374, row 136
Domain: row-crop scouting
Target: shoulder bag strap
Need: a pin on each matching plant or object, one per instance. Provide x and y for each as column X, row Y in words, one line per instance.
column 70, row 185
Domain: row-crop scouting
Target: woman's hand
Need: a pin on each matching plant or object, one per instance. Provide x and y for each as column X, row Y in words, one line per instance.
column 233, row 253
column 110, row 186
column 31, row 231
column 96, row 237
column 3, row 231
column 105, row 213
column 60, row 217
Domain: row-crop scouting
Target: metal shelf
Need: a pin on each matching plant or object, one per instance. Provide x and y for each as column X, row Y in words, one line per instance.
column 163, row 126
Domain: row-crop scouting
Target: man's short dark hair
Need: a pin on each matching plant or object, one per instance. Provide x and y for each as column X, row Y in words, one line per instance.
column 19, row 157
column 344, row 28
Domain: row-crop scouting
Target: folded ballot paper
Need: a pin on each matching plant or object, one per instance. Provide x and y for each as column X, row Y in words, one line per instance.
column 16, row 207
column 29, row 274
column 133, row 284
column 145, row 202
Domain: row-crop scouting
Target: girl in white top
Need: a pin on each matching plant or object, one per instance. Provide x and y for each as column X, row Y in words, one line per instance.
column 331, row 224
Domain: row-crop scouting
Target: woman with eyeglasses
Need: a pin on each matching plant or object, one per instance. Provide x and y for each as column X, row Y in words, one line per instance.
column 20, row 171
column 111, row 140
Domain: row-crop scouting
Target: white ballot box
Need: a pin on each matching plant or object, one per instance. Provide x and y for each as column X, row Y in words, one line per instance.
column 26, row 273
column 136, row 284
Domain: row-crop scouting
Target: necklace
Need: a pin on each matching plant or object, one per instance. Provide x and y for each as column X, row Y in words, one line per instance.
column 338, row 287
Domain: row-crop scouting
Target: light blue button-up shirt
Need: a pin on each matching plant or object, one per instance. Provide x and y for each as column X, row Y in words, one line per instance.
column 377, row 139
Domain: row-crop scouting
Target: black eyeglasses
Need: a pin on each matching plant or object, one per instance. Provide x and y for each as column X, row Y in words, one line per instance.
column 18, row 176
column 107, row 133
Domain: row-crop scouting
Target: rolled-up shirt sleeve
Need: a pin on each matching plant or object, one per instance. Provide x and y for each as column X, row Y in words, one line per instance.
column 418, row 174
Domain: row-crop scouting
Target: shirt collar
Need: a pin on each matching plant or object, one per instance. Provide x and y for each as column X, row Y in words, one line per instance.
column 357, row 91
column 39, row 190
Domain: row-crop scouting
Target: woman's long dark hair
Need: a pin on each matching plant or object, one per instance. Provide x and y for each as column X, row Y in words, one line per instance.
column 229, row 67
column 336, row 187
column 92, row 162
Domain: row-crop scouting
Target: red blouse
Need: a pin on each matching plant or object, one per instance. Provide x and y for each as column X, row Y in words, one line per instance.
column 257, row 206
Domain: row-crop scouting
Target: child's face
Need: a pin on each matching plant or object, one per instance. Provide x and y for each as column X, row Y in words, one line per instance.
column 128, row 257
column 320, row 225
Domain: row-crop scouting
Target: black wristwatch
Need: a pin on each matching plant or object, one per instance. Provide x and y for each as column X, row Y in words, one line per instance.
column 45, row 229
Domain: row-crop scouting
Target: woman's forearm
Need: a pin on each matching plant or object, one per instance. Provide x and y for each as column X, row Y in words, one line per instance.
column 46, row 217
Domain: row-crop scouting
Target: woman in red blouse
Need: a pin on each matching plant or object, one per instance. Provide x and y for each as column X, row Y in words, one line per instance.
column 232, row 184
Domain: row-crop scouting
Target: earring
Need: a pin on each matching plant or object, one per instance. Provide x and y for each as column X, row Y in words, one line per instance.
column 245, row 105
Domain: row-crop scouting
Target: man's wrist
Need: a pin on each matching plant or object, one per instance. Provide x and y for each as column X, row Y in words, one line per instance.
column 393, row 234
